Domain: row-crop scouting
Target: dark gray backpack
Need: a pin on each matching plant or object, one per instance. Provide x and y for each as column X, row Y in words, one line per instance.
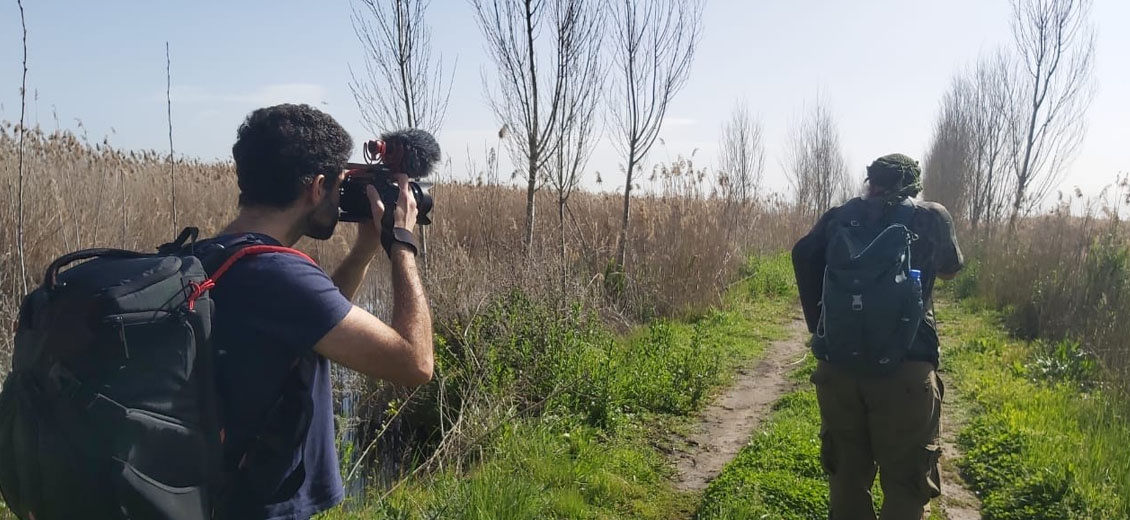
column 871, row 306
column 110, row 411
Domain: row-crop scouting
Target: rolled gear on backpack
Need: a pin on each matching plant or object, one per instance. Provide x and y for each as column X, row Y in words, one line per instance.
column 871, row 306
column 110, row 411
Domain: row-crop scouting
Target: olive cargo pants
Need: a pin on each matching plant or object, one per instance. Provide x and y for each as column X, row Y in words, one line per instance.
column 890, row 422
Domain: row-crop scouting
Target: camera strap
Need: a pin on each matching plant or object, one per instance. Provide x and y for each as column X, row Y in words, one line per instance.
column 398, row 235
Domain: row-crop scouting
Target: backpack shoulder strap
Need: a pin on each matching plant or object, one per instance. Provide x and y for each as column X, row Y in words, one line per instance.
column 217, row 262
column 903, row 212
column 852, row 213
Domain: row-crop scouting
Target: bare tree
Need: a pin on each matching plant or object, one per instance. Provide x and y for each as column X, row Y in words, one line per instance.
column 653, row 44
column 403, row 83
column 991, row 119
column 947, row 169
column 582, row 83
column 1056, row 46
column 742, row 163
column 814, row 162
column 20, row 162
column 530, row 85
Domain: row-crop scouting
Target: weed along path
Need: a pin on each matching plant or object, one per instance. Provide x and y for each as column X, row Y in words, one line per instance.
column 726, row 425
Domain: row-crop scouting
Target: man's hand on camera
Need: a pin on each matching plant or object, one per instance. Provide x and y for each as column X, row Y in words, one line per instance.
column 403, row 217
column 368, row 239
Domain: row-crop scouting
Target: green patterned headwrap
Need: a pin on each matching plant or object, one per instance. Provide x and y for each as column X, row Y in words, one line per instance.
column 899, row 174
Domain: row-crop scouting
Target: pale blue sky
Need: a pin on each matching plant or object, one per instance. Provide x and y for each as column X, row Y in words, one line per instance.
column 881, row 64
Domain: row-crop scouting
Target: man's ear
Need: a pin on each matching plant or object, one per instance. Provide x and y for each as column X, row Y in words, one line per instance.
column 316, row 190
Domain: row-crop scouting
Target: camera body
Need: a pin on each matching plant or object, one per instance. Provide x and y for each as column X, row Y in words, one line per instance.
column 412, row 152
column 354, row 205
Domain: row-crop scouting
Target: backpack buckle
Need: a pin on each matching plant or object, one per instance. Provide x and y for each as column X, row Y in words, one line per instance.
column 857, row 302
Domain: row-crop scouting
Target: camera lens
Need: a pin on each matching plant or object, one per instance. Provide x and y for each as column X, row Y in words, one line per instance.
column 424, row 203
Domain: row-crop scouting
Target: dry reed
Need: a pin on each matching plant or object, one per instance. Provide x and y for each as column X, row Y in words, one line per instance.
column 686, row 240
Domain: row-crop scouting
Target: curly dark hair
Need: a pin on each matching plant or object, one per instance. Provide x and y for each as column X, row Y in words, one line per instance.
column 278, row 149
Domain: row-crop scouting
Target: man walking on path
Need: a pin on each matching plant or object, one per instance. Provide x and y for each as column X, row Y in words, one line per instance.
column 876, row 340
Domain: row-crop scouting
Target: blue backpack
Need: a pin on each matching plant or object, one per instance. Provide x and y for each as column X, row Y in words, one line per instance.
column 871, row 305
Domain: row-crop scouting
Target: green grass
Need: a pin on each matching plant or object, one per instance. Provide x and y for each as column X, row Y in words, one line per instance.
column 533, row 470
column 595, row 449
column 1042, row 442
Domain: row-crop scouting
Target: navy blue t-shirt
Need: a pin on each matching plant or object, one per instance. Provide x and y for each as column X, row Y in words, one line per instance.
column 270, row 311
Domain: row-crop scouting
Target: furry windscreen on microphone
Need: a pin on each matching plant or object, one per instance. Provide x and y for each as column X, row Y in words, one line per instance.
column 411, row 151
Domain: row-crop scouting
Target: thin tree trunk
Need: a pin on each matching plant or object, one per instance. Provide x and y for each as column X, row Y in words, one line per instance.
column 169, row 108
column 530, row 187
column 533, row 130
column 1022, row 178
column 622, row 249
column 20, row 167
column 561, row 242
column 423, row 230
column 125, row 204
column 402, row 60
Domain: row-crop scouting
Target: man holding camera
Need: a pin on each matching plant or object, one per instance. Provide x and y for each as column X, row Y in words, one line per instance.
column 880, row 400
column 280, row 319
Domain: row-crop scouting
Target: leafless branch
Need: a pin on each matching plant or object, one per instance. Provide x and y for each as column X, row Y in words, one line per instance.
column 20, row 167
column 1055, row 41
column 529, row 89
column 402, row 84
column 948, row 169
column 814, row 162
column 652, row 44
column 742, row 161
column 583, row 71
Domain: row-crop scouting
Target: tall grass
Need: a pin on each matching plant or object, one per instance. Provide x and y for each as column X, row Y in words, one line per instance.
column 1064, row 276
column 686, row 242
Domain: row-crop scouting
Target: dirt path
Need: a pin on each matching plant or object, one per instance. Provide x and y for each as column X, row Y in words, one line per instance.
column 726, row 425
column 958, row 503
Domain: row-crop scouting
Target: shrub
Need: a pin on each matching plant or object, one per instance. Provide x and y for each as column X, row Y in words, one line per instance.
column 769, row 275
column 1064, row 361
column 966, row 284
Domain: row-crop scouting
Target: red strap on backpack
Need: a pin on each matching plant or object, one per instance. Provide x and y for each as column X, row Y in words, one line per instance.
column 198, row 289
